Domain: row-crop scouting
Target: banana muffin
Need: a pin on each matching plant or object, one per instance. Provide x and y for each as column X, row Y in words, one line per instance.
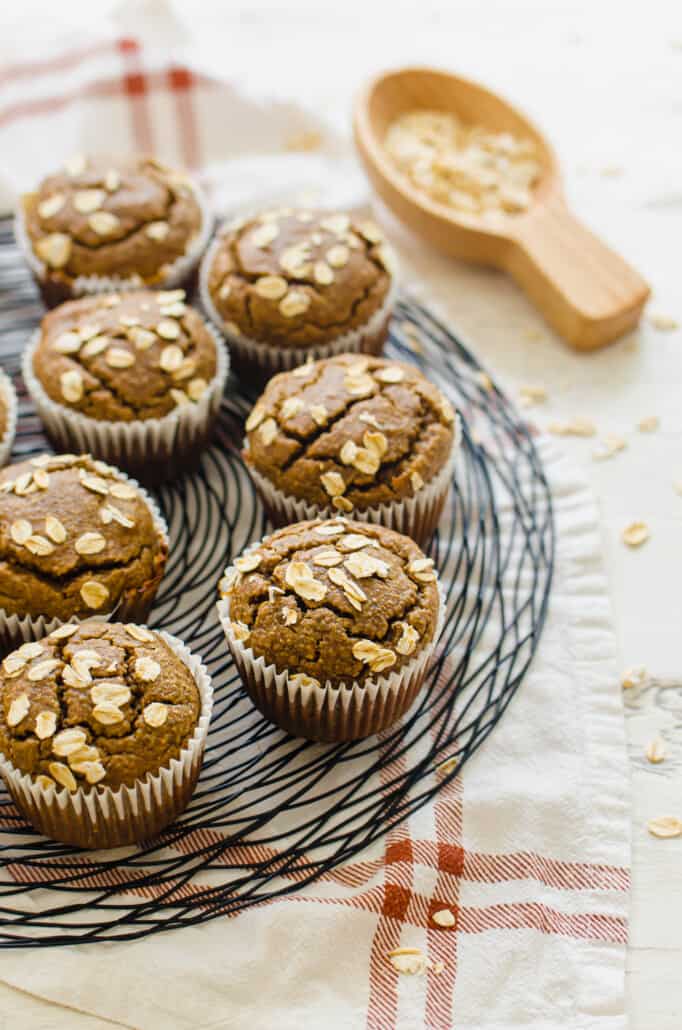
column 331, row 624
column 8, row 416
column 289, row 284
column 353, row 434
column 91, row 709
column 135, row 378
column 103, row 221
column 76, row 539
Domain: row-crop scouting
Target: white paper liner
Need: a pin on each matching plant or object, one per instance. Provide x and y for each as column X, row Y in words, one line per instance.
column 328, row 713
column 110, row 818
column 87, row 285
column 272, row 359
column 416, row 516
column 16, row 630
column 139, row 443
column 10, row 400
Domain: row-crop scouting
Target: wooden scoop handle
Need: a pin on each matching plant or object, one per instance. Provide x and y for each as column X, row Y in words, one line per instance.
column 584, row 289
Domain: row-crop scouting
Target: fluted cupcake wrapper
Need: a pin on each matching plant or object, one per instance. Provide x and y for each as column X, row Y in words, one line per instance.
column 329, row 713
column 106, row 818
column 416, row 516
column 134, row 605
column 153, row 449
column 8, row 395
column 180, row 273
column 255, row 361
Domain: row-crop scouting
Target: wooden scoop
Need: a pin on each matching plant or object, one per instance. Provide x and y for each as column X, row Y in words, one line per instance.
column 586, row 291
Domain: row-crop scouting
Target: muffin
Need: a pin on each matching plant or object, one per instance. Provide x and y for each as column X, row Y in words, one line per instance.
column 332, row 625
column 102, row 223
column 102, row 731
column 134, row 378
column 8, row 417
column 361, row 435
column 286, row 285
column 77, row 539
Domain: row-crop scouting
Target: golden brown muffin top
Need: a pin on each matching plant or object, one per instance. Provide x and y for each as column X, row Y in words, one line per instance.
column 74, row 536
column 350, row 432
column 295, row 278
column 122, row 357
column 334, row 600
column 99, row 703
column 112, row 216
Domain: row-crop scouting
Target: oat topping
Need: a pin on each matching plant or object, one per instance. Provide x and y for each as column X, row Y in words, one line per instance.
column 357, row 433
column 297, row 278
column 333, row 600
column 61, row 555
column 89, row 718
column 128, row 217
column 136, row 359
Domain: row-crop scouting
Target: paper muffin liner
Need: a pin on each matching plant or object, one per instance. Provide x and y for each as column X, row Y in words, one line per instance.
column 153, row 449
column 134, row 605
column 416, row 517
column 329, row 714
column 106, row 818
column 8, row 395
column 255, row 361
column 180, row 273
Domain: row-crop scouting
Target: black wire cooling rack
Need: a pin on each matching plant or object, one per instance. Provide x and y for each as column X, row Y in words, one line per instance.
column 271, row 813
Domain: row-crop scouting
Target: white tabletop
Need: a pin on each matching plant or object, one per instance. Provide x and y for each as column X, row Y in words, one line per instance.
column 604, row 81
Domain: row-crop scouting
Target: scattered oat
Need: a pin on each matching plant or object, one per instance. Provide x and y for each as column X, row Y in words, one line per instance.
column 319, row 414
column 322, row 273
column 43, row 669
column 20, row 531
column 139, row 633
column 443, row 917
column 116, row 694
column 119, row 357
column 68, row 741
column 157, row 230
column 634, row 677
column 665, row 826
column 664, row 323
column 574, row 427
column 171, row 358
column 636, row 534
column 421, row 569
column 271, row 287
column 240, row 630
column 292, row 406
column 67, row 343
column 655, row 751
column 448, row 766
column 167, row 329
column 410, row 961
column 327, row 559
column 649, row 424
column 265, row 234
column 611, row 445
column 108, row 714
column 55, row 529
column 531, row 395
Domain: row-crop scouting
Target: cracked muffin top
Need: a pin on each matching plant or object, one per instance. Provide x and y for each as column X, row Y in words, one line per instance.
column 99, row 703
column 110, row 216
column 333, row 600
column 122, row 357
column 295, row 278
column 350, row 432
column 74, row 538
